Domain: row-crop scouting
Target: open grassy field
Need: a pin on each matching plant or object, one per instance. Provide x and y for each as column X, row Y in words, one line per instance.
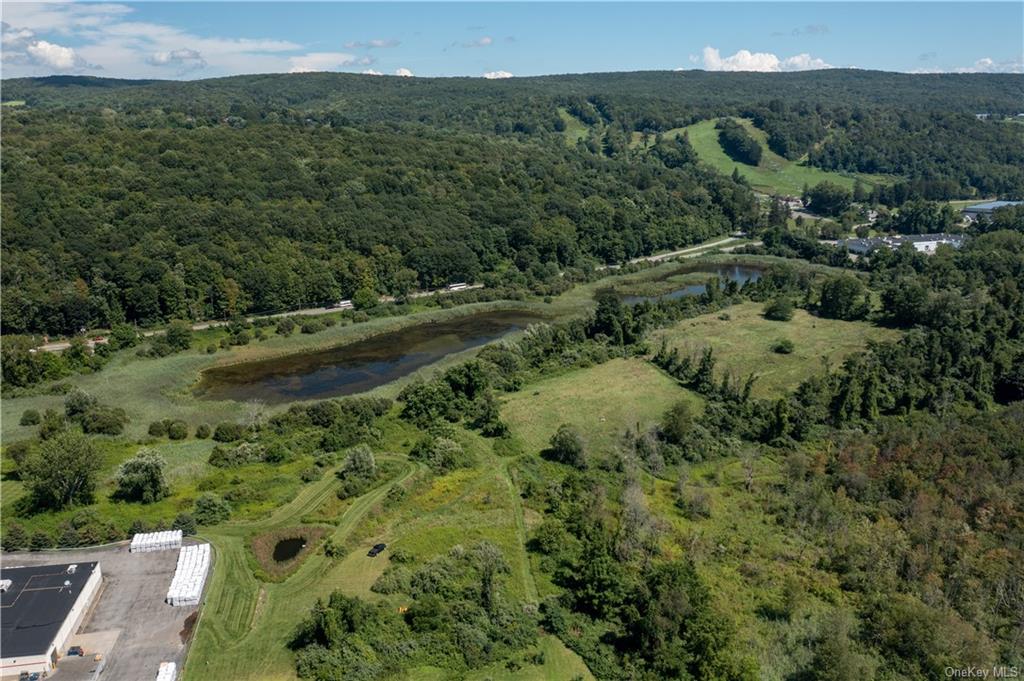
column 746, row 557
column 775, row 174
column 601, row 402
column 743, row 342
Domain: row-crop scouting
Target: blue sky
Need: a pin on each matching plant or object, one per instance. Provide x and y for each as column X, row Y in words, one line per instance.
column 207, row 39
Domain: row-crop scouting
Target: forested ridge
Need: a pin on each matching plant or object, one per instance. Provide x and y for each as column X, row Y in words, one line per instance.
column 148, row 224
column 144, row 201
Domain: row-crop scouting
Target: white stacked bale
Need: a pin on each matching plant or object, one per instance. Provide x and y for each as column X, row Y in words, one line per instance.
column 168, row 671
column 145, row 542
column 190, row 575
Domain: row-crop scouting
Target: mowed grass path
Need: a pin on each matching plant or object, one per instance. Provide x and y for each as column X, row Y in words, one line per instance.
column 774, row 174
column 601, row 401
column 246, row 624
column 743, row 343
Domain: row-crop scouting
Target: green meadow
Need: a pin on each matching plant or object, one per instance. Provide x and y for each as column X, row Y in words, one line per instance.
column 774, row 174
column 742, row 340
column 601, row 402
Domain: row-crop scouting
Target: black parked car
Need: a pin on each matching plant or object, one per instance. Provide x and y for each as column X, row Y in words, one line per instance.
column 377, row 548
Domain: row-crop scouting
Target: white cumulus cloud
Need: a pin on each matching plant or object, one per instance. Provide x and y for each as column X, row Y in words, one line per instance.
column 745, row 60
column 106, row 38
column 52, row 55
column 990, row 65
column 404, row 72
column 371, row 72
column 325, row 61
column 497, row 75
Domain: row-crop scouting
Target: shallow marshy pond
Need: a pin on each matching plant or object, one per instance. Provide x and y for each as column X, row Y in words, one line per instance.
column 359, row 366
column 740, row 274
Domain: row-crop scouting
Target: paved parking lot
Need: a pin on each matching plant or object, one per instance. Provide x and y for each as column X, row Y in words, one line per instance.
column 129, row 625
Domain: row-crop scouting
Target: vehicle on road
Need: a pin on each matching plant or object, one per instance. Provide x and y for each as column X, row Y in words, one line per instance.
column 76, row 650
column 377, row 548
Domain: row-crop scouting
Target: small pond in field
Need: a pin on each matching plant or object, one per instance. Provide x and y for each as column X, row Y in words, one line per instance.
column 359, row 366
column 740, row 274
column 286, row 549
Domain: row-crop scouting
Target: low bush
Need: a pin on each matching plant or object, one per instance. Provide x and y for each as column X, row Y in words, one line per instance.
column 311, row 474
column 229, row 432
column 231, row 457
column 285, row 327
column 102, row 420
column 779, row 310
column 141, row 478
column 184, row 522
column 783, row 347
column 211, row 509
column 177, row 430
column 312, row 326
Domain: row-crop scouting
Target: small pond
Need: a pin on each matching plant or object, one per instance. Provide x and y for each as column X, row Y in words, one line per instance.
column 286, row 549
column 359, row 366
column 740, row 274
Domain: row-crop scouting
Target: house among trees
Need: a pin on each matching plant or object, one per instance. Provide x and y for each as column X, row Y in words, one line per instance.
column 924, row 243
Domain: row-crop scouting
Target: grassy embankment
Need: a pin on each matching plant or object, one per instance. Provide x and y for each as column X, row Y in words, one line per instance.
column 246, row 624
column 774, row 174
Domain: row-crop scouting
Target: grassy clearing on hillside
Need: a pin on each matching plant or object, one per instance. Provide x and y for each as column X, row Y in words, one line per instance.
column 560, row 664
column 775, row 174
column 746, row 557
column 602, row 402
column 575, row 129
column 743, row 344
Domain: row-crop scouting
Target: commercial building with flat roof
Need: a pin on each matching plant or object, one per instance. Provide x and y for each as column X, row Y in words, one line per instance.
column 987, row 208
column 40, row 608
column 923, row 243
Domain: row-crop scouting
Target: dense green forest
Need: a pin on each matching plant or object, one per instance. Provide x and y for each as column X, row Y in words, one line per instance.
column 146, row 201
